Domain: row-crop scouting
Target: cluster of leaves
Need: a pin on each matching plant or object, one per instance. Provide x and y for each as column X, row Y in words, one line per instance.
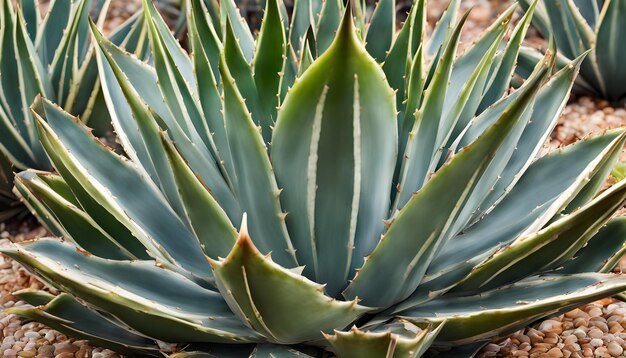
column 580, row 26
column 52, row 57
column 328, row 174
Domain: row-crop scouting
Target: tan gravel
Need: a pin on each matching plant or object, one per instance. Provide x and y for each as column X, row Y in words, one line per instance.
column 595, row 330
column 119, row 11
column 585, row 116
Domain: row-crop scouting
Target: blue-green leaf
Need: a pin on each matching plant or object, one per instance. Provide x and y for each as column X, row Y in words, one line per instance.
column 254, row 287
column 230, row 13
column 174, row 310
column 268, row 59
column 609, row 48
column 472, row 318
column 256, row 186
column 334, row 148
column 129, row 195
column 381, row 29
column 77, row 225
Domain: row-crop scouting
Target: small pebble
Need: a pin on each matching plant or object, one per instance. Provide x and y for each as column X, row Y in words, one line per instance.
column 65, row 355
column 595, row 312
column 49, row 336
column 32, row 334
column 615, row 349
column 595, row 333
column 65, row 348
column 596, row 342
column 46, row 350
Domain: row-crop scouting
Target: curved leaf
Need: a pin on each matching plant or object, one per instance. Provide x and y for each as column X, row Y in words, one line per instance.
column 403, row 50
column 34, row 297
column 52, row 29
column 202, row 27
column 381, row 29
column 135, row 125
column 254, row 286
column 602, row 252
column 550, row 102
column 14, row 147
column 233, row 58
column 230, row 12
column 63, row 313
column 169, row 42
column 133, row 74
column 446, row 22
column 178, row 90
column 546, row 249
column 150, row 299
column 70, row 54
column 76, row 224
column 395, row 340
column 422, row 143
column 472, row 318
column 128, row 195
column 32, row 16
column 271, row 44
column 544, row 190
column 204, row 215
column 305, row 15
column 505, row 63
column 207, row 49
column 330, row 17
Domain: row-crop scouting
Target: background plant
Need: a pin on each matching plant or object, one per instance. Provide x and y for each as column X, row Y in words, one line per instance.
column 52, row 57
column 389, row 185
column 579, row 26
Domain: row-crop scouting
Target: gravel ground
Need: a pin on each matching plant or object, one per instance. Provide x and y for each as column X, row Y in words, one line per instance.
column 119, row 11
column 595, row 330
column 584, row 116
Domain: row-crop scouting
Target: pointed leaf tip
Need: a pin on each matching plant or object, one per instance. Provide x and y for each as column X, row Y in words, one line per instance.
column 346, row 28
column 244, row 225
column 244, row 235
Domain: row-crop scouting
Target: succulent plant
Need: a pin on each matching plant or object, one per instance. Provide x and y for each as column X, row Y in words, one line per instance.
column 328, row 188
column 579, row 26
column 52, row 57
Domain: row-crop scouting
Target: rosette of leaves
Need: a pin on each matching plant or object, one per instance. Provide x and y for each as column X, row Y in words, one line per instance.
column 330, row 188
column 578, row 26
column 53, row 57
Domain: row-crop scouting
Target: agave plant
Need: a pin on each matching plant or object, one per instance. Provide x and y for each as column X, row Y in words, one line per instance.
column 579, row 26
column 52, row 57
column 328, row 188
